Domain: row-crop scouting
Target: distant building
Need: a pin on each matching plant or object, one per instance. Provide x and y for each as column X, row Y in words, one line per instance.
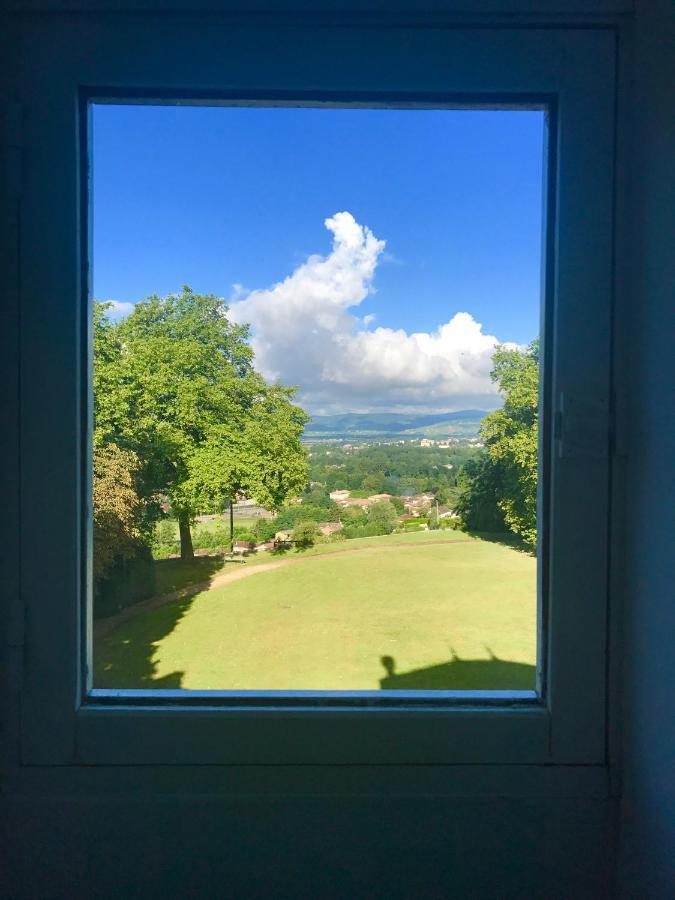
column 329, row 528
column 339, row 496
column 419, row 503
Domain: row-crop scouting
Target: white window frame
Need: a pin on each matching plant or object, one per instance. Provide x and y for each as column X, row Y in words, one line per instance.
column 212, row 58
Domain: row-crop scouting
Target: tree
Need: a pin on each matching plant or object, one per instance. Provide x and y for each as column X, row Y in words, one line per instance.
column 433, row 519
column 498, row 489
column 117, row 507
column 398, row 505
column 175, row 382
column 481, row 490
column 258, row 453
column 304, row 534
column 383, row 513
column 510, row 436
column 373, row 482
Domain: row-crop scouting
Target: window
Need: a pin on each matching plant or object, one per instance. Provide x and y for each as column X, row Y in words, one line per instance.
column 64, row 722
column 351, row 530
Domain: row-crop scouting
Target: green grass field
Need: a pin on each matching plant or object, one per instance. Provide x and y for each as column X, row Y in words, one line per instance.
column 418, row 611
column 215, row 524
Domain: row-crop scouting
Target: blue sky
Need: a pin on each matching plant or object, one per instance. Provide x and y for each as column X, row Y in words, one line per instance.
column 223, row 197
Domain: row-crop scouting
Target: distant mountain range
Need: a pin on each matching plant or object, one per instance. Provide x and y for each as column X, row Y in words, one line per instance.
column 395, row 426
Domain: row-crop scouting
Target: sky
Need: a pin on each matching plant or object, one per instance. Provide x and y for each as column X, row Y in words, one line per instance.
column 378, row 255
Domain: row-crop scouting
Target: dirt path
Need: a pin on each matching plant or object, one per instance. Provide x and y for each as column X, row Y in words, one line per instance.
column 103, row 627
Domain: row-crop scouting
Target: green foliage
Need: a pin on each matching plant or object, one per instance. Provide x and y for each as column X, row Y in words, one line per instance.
column 305, row 534
column 213, row 538
column 352, row 515
column 175, row 383
column 258, row 452
column 383, row 513
column 374, row 483
column 510, row 436
column 265, row 530
column 165, row 532
column 299, row 512
column 481, row 490
column 118, row 510
column 372, row 529
column 317, row 495
column 498, row 489
column 388, row 468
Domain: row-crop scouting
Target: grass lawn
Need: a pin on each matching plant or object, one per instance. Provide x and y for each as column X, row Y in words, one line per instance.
column 439, row 610
column 215, row 524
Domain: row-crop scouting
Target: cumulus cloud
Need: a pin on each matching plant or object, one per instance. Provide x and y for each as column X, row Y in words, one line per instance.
column 119, row 309
column 305, row 332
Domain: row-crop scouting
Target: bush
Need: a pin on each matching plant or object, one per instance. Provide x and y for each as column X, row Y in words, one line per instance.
column 165, row 532
column 361, row 531
column 264, row 530
column 305, row 534
column 297, row 514
column 383, row 513
column 164, row 551
column 210, row 538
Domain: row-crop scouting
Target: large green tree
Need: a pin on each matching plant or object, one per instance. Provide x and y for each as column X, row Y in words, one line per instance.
column 499, row 487
column 175, row 383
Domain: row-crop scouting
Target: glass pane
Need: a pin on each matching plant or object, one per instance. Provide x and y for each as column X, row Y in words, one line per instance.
column 315, row 397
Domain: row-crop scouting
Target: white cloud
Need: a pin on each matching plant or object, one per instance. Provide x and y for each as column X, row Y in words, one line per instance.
column 304, row 333
column 119, row 309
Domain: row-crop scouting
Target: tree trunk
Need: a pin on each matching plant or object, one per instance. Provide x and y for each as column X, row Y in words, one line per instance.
column 231, row 528
column 186, row 549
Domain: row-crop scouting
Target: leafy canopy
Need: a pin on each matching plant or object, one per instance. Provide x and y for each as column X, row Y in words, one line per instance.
column 175, row 383
column 500, row 486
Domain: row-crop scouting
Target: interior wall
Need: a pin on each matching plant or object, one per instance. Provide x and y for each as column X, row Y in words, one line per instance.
column 647, row 834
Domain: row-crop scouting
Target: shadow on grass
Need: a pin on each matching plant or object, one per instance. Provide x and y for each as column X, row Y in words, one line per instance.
column 505, row 539
column 174, row 574
column 124, row 658
column 457, row 674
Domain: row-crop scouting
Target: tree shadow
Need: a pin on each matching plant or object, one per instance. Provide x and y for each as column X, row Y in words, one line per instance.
column 505, row 539
column 174, row 574
column 457, row 674
column 124, row 657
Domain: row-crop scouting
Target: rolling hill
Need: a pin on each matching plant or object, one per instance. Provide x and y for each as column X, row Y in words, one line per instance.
column 394, row 426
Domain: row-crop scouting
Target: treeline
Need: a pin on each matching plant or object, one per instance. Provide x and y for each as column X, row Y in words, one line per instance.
column 398, row 469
